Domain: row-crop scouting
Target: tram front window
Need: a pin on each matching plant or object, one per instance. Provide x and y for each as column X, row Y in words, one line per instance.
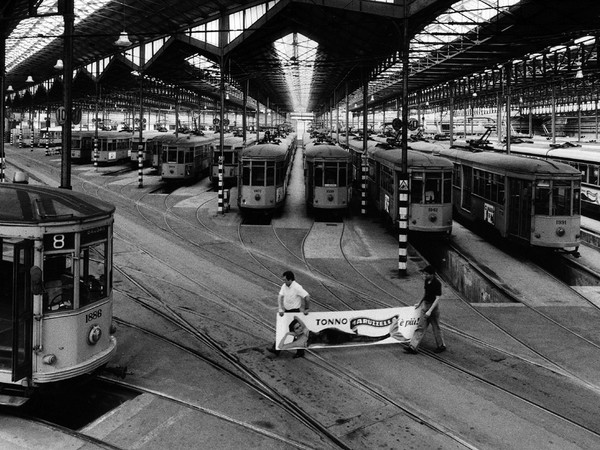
column 58, row 282
column 433, row 187
column 416, row 187
column 318, row 175
column 331, row 174
column 258, row 174
column 561, row 198
column 542, row 197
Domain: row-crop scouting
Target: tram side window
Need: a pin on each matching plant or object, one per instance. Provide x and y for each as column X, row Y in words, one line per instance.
column 447, row 192
column 187, row 156
column 457, row 175
column 58, row 282
column 318, row 174
column 386, row 181
column 583, row 168
column 576, row 198
column 593, row 175
column 416, row 187
column 561, row 198
column 542, row 197
column 92, row 273
column 343, row 181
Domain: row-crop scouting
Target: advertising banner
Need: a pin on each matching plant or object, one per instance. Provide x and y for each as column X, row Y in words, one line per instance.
column 346, row 328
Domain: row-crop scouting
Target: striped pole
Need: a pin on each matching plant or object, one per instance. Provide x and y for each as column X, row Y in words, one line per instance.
column 220, row 196
column 96, row 154
column 365, row 172
column 31, row 139
column 140, row 165
column 403, row 223
column 21, row 136
column 47, row 140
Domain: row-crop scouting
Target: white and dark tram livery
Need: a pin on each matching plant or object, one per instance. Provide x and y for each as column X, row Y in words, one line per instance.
column 584, row 157
column 430, row 185
column 55, row 288
column 528, row 200
column 264, row 173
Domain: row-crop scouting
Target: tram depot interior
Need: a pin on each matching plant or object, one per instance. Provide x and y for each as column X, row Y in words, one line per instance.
column 142, row 65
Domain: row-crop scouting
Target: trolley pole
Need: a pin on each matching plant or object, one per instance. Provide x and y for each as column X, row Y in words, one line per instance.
column 403, row 189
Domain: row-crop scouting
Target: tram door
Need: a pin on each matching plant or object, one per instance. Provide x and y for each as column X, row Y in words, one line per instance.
column 22, row 310
column 519, row 208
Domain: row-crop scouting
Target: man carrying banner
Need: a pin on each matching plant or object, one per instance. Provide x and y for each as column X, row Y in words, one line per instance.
column 292, row 298
column 429, row 313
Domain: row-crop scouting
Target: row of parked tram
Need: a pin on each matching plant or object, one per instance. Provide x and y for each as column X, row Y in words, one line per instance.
column 530, row 201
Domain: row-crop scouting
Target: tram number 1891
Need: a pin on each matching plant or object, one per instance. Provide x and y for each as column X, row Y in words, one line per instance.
column 93, row 315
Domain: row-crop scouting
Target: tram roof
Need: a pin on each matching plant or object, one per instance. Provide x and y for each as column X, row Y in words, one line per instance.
column 265, row 150
column 512, row 163
column 326, row 151
column 32, row 204
column 414, row 158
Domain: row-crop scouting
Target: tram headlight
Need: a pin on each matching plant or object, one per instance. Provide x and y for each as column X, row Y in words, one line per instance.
column 560, row 231
column 95, row 334
column 49, row 359
column 257, row 197
column 432, row 218
column 330, row 197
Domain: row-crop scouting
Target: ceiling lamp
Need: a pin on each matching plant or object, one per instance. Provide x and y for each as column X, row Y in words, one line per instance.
column 59, row 64
column 372, row 98
column 10, row 89
column 29, row 79
column 579, row 73
column 123, row 40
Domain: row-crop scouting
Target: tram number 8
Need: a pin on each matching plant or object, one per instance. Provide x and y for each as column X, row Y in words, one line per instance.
column 93, row 315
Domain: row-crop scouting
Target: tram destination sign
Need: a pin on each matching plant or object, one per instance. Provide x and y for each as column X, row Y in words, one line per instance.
column 94, row 235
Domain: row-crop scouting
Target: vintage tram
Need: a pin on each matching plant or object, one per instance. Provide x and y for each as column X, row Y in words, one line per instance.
column 143, row 144
column 528, row 200
column 55, row 288
column 186, row 157
column 82, row 146
column 232, row 147
column 327, row 176
column 430, row 181
column 584, row 157
column 113, row 147
column 264, row 173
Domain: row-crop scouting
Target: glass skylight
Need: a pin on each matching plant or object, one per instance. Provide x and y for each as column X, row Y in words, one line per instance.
column 34, row 34
column 297, row 54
